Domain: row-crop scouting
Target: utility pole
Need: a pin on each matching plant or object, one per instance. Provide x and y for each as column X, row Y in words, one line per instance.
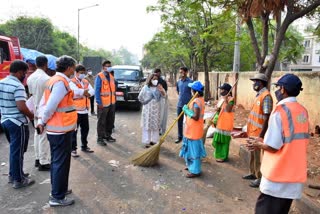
column 236, row 57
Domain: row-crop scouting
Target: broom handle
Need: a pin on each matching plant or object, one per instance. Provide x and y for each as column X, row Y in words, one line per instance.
column 176, row 120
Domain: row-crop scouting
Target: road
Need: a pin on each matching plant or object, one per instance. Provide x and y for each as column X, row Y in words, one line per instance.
column 99, row 187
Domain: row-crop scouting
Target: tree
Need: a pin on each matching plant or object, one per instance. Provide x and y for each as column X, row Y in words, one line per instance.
column 264, row 10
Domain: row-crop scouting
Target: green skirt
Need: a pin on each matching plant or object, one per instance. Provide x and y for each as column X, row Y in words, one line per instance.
column 221, row 144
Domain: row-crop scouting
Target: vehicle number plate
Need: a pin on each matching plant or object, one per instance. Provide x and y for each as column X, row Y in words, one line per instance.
column 120, row 98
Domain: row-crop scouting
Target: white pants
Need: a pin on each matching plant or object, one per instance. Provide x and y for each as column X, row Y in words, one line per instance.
column 41, row 147
column 163, row 114
column 150, row 136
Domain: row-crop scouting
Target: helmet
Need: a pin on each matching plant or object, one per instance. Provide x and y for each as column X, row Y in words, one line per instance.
column 291, row 83
column 196, row 85
column 260, row 76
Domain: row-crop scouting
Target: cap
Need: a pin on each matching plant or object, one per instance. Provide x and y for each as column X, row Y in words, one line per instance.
column 260, row 76
column 196, row 85
column 225, row 86
column 291, row 83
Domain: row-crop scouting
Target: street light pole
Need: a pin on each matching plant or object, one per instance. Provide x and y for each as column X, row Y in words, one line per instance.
column 79, row 9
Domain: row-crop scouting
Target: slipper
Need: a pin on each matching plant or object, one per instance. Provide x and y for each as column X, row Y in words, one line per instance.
column 220, row 160
column 146, row 146
column 190, row 175
column 152, row 143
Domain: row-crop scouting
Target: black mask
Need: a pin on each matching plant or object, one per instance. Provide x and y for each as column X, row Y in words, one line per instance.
column 224, row 93
column 256, row 86
column 279, row 95
column 22, row 78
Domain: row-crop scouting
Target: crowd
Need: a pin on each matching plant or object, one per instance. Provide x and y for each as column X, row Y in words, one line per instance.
column 60, row 104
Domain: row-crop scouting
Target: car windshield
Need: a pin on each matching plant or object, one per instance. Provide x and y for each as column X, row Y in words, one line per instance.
column 126, row 74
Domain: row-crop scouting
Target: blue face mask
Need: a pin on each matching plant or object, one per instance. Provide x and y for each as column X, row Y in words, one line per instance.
column 278, row 94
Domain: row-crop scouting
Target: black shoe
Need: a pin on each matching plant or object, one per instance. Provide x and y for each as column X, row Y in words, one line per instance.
column 87, row 150
column 63, row 202
column 74, row 154
column 24, row 183
column 110, row 139
column 178, row 140
column 10, row 179
column 45, row 167
column 37, row 163
column 255, row 183
column 249, row 177
column 101, row 142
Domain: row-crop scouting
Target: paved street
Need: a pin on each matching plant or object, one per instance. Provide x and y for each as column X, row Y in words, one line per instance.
column 106, row 182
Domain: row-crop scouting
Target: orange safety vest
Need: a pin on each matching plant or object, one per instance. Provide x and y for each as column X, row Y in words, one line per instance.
column 83, row 103
column 194, row 129
column 256, row 116
column 64, row 118
column 289, row 163
column 225, row 121
column 107, row 91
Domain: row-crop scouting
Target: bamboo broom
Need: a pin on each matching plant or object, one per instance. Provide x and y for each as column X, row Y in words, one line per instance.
column 150, row 156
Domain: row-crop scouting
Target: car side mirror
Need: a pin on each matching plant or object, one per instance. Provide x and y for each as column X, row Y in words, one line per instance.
column 143, row 79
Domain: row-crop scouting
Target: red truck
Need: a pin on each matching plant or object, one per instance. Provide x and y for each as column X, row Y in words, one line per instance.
column 9, row 51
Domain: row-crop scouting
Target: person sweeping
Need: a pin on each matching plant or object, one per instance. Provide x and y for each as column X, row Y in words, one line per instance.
column 222, row 135
column 192, row 148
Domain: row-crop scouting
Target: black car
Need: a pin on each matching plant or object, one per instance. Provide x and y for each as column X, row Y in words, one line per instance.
column 130, row 81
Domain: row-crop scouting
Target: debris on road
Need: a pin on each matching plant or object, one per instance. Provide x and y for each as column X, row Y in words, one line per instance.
column 114, row 163
column 3, row 164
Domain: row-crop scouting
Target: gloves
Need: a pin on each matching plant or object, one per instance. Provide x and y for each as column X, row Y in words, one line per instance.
column 187, row 111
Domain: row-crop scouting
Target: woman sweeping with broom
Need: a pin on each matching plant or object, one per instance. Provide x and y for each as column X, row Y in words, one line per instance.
column 192, row 148
column 222, row 135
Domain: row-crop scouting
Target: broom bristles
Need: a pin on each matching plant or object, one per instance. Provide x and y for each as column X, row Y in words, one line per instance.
column 149, row 157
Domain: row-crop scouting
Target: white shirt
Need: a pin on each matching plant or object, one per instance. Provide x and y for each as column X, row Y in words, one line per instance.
column 58, row 92
column 37, row 83
column 78, row 92
column 273, row 138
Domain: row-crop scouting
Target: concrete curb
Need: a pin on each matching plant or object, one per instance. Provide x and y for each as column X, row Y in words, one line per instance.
column 304, row 205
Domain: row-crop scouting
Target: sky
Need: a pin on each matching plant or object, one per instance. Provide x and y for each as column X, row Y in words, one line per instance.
column 110, row 25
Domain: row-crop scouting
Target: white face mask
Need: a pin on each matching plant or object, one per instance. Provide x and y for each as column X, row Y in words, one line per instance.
column 90, row 72
column 81, row 76
column 154, row 82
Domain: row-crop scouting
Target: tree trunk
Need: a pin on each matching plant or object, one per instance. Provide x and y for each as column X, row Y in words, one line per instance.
column 206, row 75
column 254, row 42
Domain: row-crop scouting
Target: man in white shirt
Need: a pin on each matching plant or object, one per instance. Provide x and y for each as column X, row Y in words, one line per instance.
column 284, row 163
column 37, row 84
column 82, row 90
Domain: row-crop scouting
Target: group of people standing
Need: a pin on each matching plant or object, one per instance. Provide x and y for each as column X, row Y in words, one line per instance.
column 58, row 106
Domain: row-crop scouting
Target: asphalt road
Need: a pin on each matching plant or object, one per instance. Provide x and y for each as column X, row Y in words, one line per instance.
column 106, row 182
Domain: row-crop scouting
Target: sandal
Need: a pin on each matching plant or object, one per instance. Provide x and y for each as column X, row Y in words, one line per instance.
column 191, row 175
column 152, row 143
column 220, row 160
column 147, row 146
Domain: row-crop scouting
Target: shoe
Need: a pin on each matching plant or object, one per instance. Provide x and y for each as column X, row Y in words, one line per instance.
column 44, row 167
column 110, row 139
column 24, row 183
column 87, row 150
column 101, row 142
column 93, row 114
column 191, row 175
column 69, row 191
column 53, row 202
column 147, row 146
column 249, row 177
column 152, row 143
column 74, row 154
column 37, row 163
column 10, row 179
column 178, row 140
column 255, row 183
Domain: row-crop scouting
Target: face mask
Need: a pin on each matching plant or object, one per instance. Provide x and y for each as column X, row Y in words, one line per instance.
column 81, row 76
column 90, row 72
column 22, row 78
column 224, row 93
column 154, row 82
column 256, row 86
column 279, row 95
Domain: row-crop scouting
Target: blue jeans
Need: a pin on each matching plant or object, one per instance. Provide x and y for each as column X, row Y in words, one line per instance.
column 60, row 146
column 180, row 123
column 18, row 137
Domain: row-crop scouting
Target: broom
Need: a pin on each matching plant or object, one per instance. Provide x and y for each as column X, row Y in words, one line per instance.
column 150, row 156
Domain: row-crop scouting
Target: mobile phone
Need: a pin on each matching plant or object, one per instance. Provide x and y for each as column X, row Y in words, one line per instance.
column 38, row 130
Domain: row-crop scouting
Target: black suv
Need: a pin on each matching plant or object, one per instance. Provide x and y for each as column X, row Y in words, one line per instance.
column 130, row 80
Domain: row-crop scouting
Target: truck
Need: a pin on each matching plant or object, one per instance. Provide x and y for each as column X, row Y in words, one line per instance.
column 9, row 51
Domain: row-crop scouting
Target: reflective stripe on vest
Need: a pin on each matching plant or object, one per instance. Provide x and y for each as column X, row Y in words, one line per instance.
column 64, row 118
column 107, row 91
column 226, row 133
column 289, row 163
column 81, row 104
column 256, row 117
column 194, row 128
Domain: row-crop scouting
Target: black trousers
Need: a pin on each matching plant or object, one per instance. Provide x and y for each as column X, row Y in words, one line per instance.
column 106, row 117
column 92, row 104
column 83, row 122
column 180, row 123
column 60, row 146
column 267, row 204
